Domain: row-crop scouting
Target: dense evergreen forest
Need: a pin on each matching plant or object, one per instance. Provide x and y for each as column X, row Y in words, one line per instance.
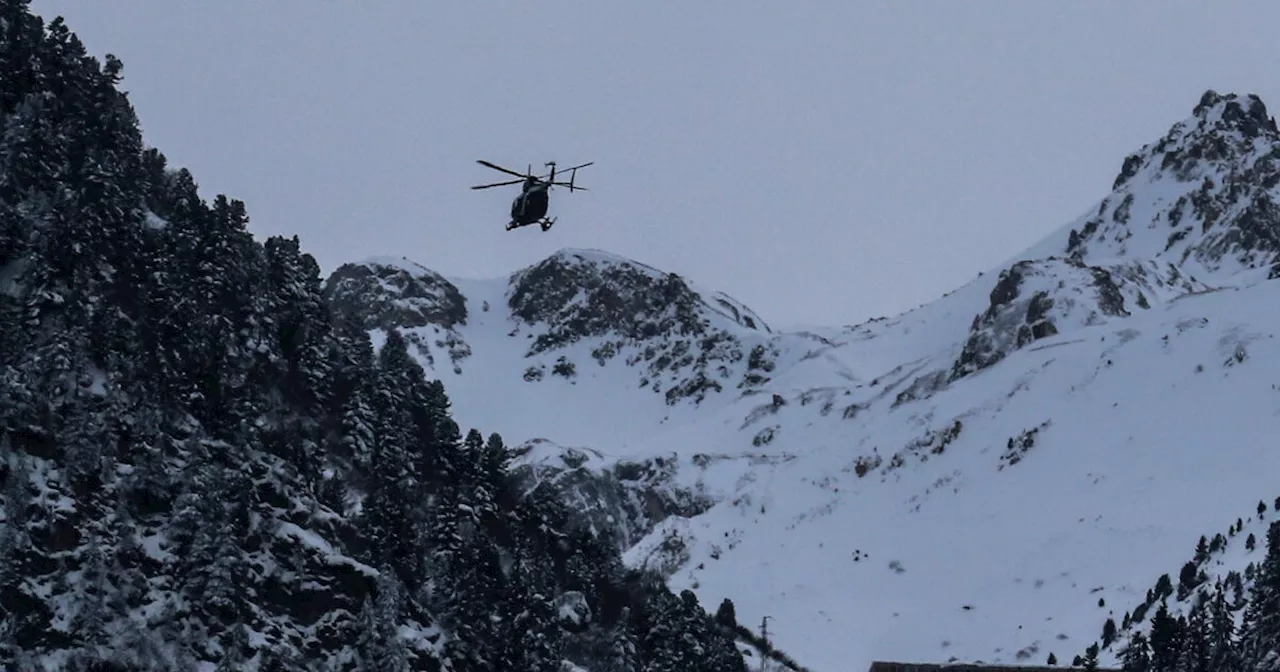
column 201, row 463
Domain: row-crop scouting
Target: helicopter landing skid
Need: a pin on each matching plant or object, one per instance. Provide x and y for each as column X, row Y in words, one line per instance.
column 545, row 223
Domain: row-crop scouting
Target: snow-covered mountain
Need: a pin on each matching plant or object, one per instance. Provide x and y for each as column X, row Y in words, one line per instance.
column 988, row 477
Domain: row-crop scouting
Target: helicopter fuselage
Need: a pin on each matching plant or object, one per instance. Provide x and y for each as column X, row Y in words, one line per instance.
column 530, row 206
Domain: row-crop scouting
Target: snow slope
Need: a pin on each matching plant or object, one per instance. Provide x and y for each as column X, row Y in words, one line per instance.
column 1004, row 543
column 988, row 477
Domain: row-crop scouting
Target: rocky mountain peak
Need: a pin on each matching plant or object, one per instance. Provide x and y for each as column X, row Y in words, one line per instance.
column 388, row 293
column 687, row 343
column 1203, row 197
column 607, row 291
column 579, row 294
column 385, row 292
column 1246, row 114
column 1221, row 128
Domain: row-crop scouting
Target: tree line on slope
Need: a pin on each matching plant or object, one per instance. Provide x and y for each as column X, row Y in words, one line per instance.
column 198, row 462
column 1232, row 625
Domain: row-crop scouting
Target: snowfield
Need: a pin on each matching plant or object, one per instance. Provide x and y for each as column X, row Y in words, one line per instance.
column 1129, row 442
column 988, row 477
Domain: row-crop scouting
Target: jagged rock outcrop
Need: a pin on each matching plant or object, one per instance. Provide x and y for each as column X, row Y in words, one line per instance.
column 737, row 311
column 1033, row 300
column 684, row 346
column 684, row 343
column 623, row 499
column 1205, row 194
column 386, row 294
column 1188, row 212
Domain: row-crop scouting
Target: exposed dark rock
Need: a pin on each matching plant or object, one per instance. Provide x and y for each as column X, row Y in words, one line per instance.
column 578, row 299
column 384, row 296
column 626, row 499
column 402, row 295
column 1228, row 155
column 1130, row 168
column 662, row 324
column 1012, row 322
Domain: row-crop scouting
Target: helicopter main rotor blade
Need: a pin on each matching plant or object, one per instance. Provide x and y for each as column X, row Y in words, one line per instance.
column 573, row 187
column 567, row 170
column 499, row 184
column 499, row 168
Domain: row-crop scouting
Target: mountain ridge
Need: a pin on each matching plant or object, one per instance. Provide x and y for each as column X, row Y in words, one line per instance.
column 999, row 378
column 1222, row 128
column 214, row 459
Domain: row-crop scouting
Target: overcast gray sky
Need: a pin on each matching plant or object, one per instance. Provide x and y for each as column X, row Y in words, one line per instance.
column 825, row 162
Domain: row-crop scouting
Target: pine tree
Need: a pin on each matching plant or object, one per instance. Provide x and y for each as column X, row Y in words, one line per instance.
column 624, row 655
column 1235, row 582
column 211, row 524
column 1166, row 640
column 235, row 649
column 468, row 468
column 1222, row 642
column 725, row 615
column 1260, row 629
column 353, row 387
column 295, row 325
column 378, row 642
column 1108, row 632
column 532, row 641
column 493, row 471
column 681, row 637
column 465, row 578
column 392, row 510
column 1186, row 580
column 1136, row 656
column 17, row 551
column 666, row 648
column 1195, row 651
column 1090, row 661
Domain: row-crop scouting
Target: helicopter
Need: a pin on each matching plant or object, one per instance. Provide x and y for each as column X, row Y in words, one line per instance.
column 530, row 207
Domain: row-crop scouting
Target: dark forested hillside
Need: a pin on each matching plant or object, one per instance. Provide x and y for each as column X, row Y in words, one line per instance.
column 198, row 462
